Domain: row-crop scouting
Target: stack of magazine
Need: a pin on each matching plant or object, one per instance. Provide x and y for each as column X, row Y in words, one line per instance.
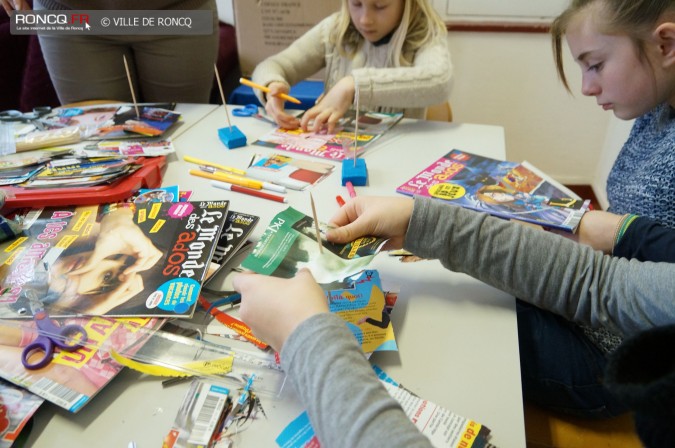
column 70, row 125
column 189, row 242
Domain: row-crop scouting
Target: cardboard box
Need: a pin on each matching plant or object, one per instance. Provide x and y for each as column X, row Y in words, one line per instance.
column 265, row 27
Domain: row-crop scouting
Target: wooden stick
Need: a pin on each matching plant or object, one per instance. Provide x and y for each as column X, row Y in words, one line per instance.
column 131, row 86
column 316, row 223
column 222, row 97
column 356, row 124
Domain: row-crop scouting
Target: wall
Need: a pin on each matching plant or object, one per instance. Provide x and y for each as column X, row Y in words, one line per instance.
column 499, row 10
column 509, row 79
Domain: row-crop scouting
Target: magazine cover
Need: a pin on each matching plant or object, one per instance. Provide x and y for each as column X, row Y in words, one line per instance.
column 289, row 244
column 131, row 148
column 238, row 227
column 71, row 379
column 332, row 146
column 114, row 121
column 151, row 122
column 296, row 174
column 121, row 260
column 17, row 406
column 505, row 189
column 444, row 428
column 366, row 310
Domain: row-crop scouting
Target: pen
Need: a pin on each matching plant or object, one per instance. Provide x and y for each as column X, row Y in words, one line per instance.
column 215, row 165
column 231, row 178
column 249, row 191
column 350, row 189
column 265, row 185
column 250, row 83
column 339, row 200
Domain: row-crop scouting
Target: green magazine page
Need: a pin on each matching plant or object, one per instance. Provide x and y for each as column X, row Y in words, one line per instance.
column 289, row 244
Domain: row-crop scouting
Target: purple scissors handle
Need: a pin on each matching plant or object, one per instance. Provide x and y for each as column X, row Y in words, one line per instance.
column 50, row 335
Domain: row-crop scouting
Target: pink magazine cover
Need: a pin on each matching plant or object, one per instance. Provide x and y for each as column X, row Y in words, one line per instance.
column 17, row 406
column 73, row 378
column 336, row 146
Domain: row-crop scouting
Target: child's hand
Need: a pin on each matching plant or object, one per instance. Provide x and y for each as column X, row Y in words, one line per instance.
column 274, row 106
column 330, row 108
column 273, row 307
column 385, row 217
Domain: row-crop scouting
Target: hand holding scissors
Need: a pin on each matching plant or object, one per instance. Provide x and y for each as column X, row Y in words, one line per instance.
column 50, row 335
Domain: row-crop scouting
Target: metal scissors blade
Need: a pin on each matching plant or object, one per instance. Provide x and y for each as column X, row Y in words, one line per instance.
column 68, row 338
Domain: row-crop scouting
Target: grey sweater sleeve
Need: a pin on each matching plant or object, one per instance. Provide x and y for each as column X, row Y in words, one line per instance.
column 547, row 270
column 345, row 401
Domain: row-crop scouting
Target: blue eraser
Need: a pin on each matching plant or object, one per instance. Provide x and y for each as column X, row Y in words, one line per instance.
column 357, row 173
column 232, row 137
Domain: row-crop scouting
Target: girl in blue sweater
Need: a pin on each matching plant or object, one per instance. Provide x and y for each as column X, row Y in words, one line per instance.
column 626, row 52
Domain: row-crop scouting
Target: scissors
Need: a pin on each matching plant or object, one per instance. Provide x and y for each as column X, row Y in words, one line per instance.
column 248, row 110
column 49, row 336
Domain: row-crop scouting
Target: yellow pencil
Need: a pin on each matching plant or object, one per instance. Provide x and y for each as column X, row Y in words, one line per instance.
column 248, row 82
column 191, row 159
column 229, row 178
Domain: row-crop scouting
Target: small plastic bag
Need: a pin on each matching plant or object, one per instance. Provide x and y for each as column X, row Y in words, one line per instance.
column 46, row 139
column 7, row 140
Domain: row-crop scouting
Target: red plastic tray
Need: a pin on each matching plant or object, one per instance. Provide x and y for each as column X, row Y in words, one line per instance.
column 148, row 176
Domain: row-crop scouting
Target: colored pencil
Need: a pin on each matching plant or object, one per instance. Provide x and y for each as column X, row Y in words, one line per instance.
column 230, row 178
column 215, row 165
column 253, row 85
column 248, row 191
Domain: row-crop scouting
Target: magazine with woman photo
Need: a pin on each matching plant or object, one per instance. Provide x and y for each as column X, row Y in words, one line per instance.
column 123, row 260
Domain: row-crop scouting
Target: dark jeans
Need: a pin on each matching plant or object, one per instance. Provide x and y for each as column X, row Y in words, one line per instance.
column 561, row 369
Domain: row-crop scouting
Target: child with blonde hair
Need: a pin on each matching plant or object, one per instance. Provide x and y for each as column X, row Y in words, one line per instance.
column 392, row 54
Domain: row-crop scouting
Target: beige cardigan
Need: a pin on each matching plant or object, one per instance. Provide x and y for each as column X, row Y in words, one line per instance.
column 381, row 88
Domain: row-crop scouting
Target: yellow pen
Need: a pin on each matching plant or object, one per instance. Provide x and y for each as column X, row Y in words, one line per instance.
column 191, row 159
column 248, row 82
column 229, row 178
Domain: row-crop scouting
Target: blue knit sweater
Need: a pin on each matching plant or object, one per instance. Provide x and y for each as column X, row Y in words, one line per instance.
column 642, row 180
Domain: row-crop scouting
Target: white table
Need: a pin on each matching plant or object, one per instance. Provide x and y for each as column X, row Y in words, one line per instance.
column 457, row 337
